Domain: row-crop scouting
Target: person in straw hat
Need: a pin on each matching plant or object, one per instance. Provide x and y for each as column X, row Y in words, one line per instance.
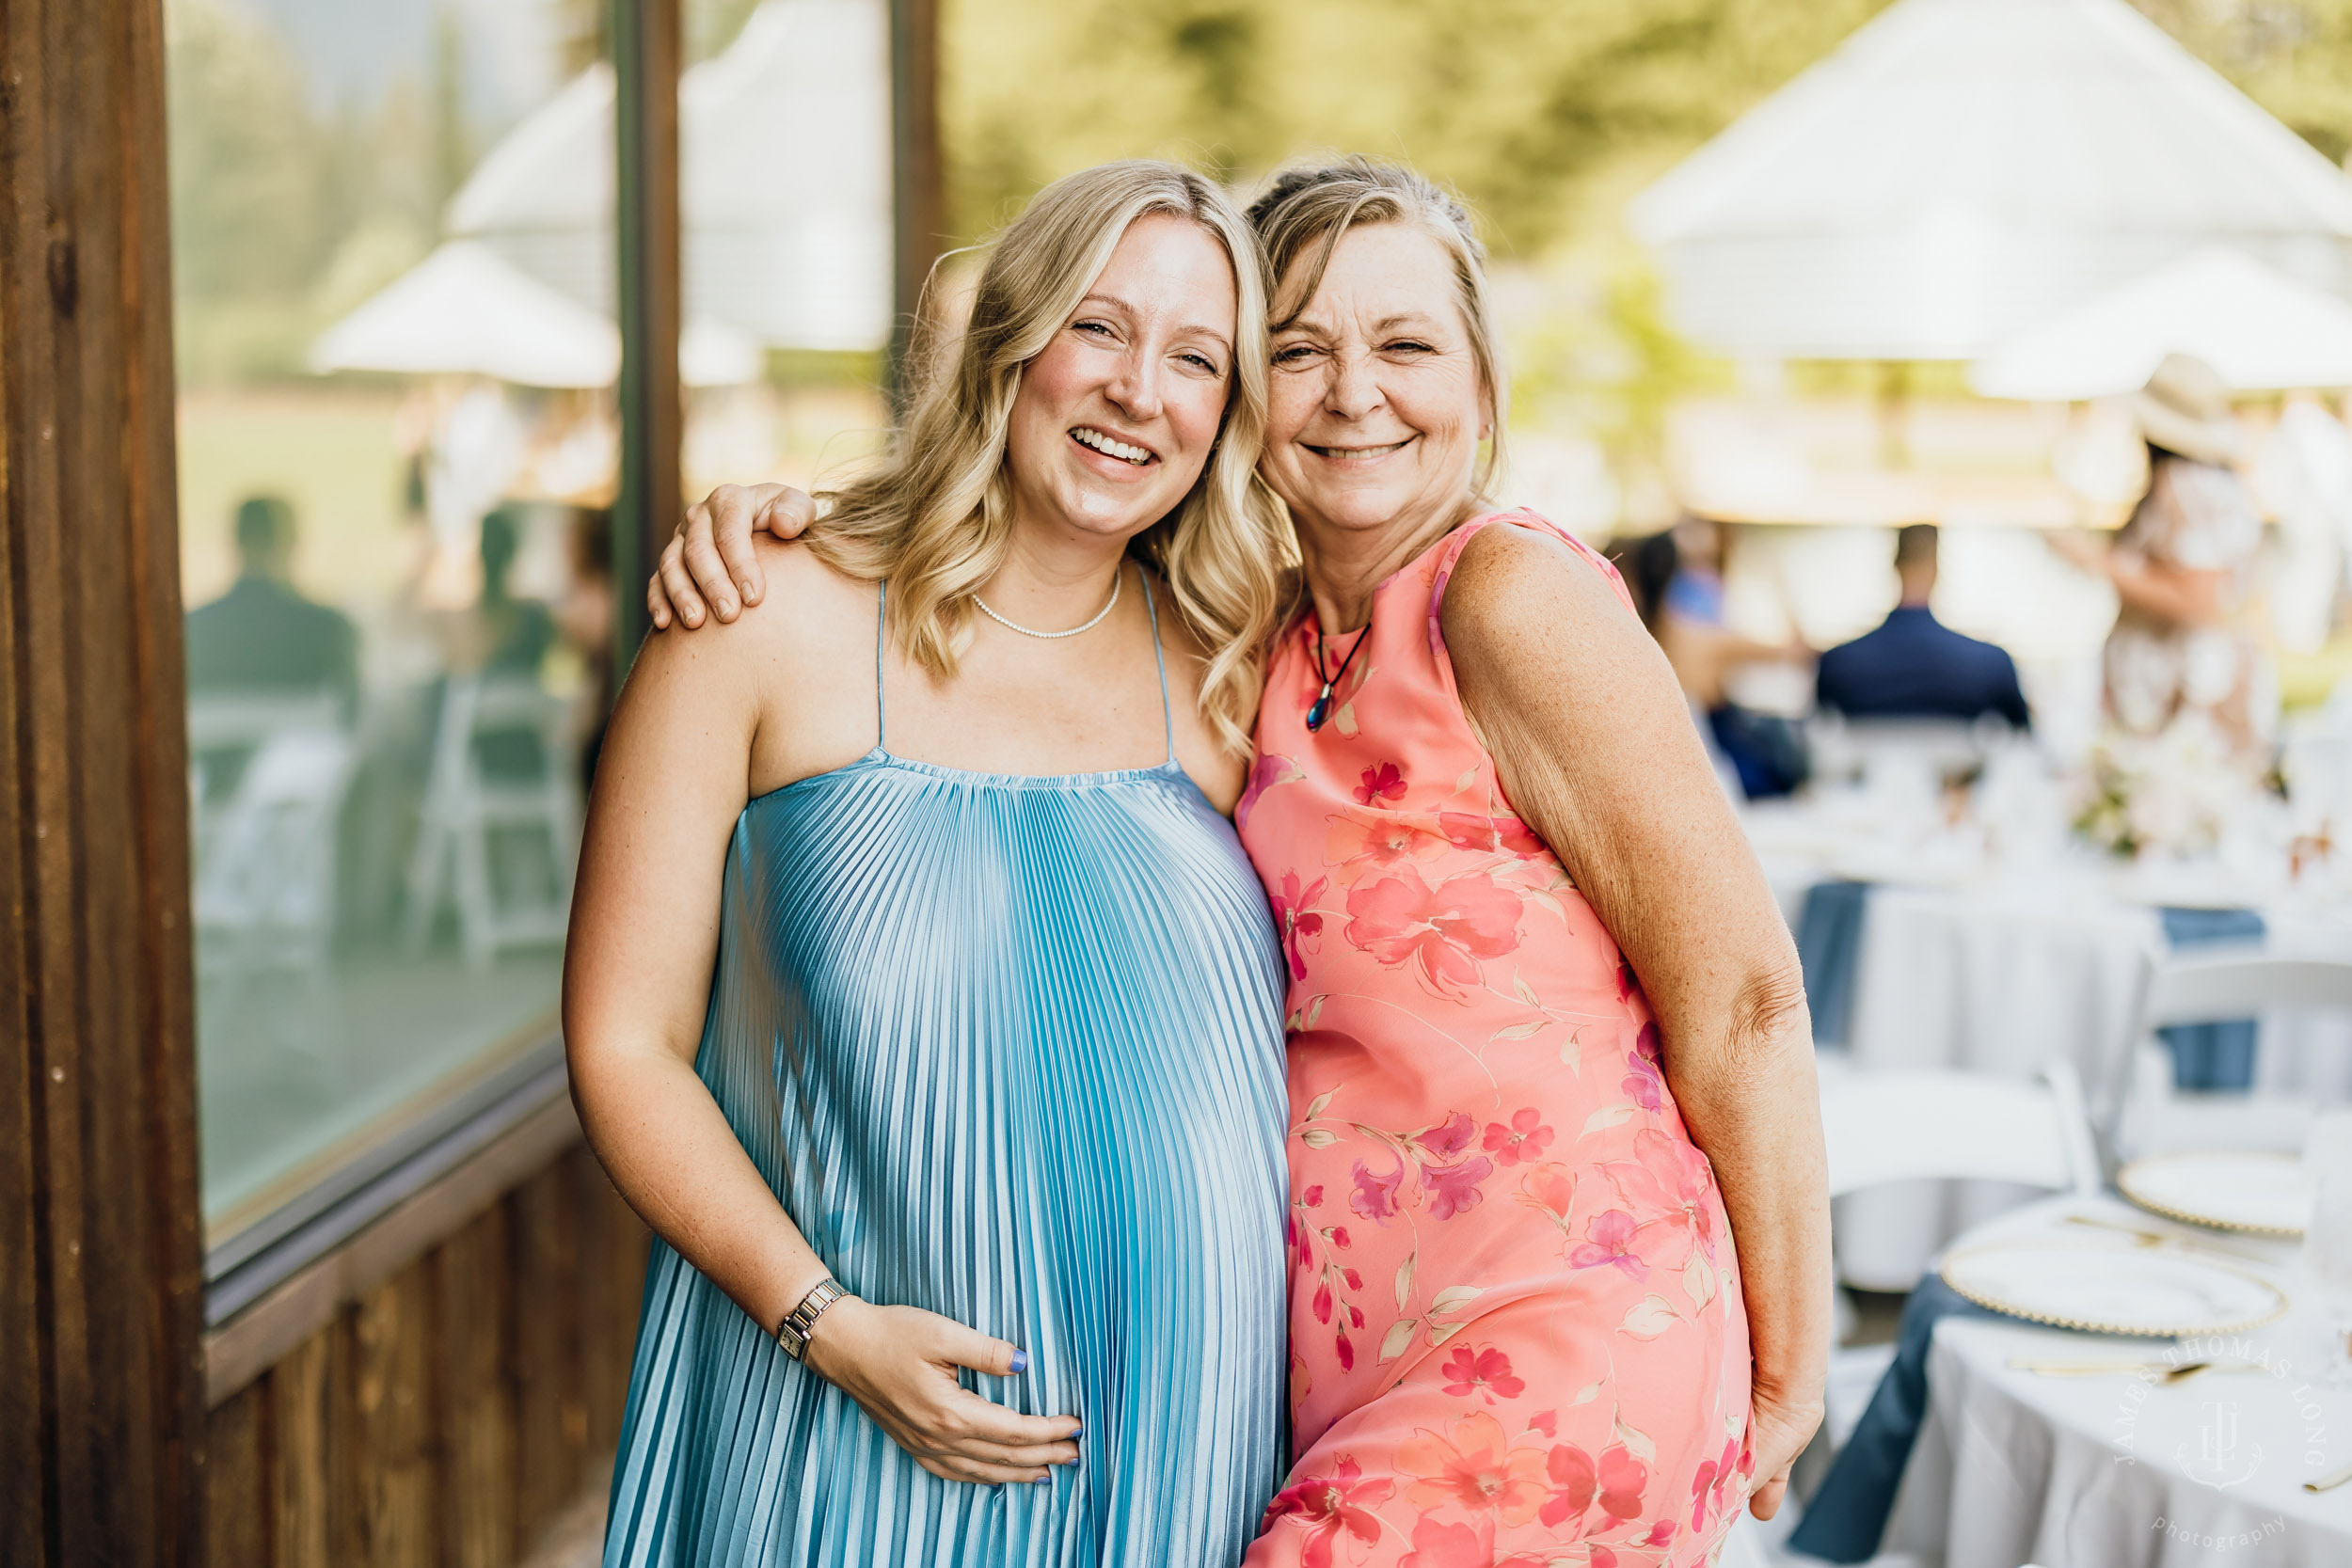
column 2183, row 565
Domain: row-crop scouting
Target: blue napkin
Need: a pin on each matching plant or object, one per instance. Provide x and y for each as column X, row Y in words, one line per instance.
column 1829, row 947
column 1847, row 1516
column 2211, row 1055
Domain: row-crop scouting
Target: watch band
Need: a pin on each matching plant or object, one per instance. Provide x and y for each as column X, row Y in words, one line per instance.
column 792, row 1334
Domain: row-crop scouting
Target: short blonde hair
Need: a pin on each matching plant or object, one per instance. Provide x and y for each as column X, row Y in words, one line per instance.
column 934, row 517
column 1312, row 206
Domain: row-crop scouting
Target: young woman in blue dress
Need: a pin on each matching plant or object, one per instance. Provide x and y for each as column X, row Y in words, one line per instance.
column 919, row 995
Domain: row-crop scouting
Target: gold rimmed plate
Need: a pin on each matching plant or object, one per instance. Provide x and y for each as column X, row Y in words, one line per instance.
column 2147, row 1292
column 2242, row 1190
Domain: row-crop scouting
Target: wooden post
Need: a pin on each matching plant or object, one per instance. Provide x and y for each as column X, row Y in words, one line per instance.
column 101, row 1398
column 647, row 54
column 919, row 189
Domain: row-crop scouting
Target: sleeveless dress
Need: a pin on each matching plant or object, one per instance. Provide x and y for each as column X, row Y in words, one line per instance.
column 1008, row 1049
column 1516, row 1334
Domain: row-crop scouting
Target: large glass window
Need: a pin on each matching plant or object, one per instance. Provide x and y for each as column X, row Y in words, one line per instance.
column 784, row 189
column 393, row 264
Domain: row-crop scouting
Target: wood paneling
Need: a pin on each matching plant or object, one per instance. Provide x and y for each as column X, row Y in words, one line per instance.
column 101, row 1402
column 449, row 1412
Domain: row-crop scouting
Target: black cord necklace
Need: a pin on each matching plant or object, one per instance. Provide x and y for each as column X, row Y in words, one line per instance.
column 1322, row 709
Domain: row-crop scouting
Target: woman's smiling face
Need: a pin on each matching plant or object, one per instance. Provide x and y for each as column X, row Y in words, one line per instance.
column 1376, row 406
column 1117, row 415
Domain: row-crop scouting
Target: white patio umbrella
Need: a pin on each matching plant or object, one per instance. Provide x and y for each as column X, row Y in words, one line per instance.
column 785, row 182
column 1961, row 169
column 2258, row 329
column 466, row 309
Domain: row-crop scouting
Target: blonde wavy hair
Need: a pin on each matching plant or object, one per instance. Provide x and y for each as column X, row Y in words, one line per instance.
column 934, row 517
column 1312, row 206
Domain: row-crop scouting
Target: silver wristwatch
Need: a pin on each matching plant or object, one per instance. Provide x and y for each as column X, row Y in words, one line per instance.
column 792, row 1334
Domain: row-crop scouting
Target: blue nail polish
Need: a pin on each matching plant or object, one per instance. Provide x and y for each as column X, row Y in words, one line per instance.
column 1020, row 1362
column 1044, row 1481
column 1079, row 1432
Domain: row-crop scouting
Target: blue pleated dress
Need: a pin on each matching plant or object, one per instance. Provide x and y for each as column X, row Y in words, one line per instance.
column 1008, row 1049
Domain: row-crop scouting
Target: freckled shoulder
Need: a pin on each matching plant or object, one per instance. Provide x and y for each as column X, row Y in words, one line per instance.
column 1514, row 586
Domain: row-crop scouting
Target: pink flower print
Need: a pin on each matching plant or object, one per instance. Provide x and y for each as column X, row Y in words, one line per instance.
column 1374, row 1196
column 1545, row 1422
column 1301, row 1242
column 1668, row 1182
column 1524, row 1139
column 1468, row 830
column 1294, row 920
column 1643, row 1085
column 1659, row 1533
column 1446, row 929
column 1487, row 1370
column 1643, row 1081
column 1313, row 1196
column 1575, row 1482
column 1376, row 842
column 1622, row 1480
column 1339, row 1235
column 1384, row 783
column 1346, row 1348
column 1323, row 1303
column 1271, row 769
column 1475, row 1468
column 1331, row 1506
column 1616, row 1482
column 1454, row 1189
column 1551, row 1188
column 1449, row 1137
column 1354, row 1282
column 1441, row 1545
column 1707, row 1486
column 1613, row 1236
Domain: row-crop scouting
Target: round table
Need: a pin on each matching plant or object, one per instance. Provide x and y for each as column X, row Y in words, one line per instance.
column 2120, row 1470
column 1989, row 966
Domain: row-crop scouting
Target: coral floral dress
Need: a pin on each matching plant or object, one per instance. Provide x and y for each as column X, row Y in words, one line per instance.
column 1516, row 1330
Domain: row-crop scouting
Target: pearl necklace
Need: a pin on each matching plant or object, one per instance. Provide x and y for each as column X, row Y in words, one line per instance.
column 1118, row 579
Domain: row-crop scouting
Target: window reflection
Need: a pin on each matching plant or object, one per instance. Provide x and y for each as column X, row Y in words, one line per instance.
column 398, row 444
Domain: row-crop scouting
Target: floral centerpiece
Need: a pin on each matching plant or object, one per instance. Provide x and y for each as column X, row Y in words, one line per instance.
column 2171, row 792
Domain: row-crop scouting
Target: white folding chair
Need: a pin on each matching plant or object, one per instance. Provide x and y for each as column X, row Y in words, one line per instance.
column 1883, row 1126
column 264, row 891
column 227, row 729
column 2147, row 1115
column 465, row 806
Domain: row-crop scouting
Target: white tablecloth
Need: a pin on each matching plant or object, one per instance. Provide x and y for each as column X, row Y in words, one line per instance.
column 2119, row 1471
column 2006, row 971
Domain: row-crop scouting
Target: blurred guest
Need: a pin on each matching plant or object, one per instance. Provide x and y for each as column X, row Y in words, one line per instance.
column 1914, row 666
column 2182, row 566
column 499, row 633
column 1681, row 584
column 263, row 634
column 585, row 617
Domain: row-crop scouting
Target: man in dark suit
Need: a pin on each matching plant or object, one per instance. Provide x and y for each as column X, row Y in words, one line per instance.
column 263, row 635
column 1914, row 666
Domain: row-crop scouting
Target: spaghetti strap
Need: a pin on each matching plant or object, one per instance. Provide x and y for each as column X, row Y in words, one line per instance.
column 1168, row 715
column 882, row 619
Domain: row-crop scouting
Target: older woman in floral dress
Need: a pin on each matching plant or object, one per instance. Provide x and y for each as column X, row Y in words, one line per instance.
column 1548, row 1052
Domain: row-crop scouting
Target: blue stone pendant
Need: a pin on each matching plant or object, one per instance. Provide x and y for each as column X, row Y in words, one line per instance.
column 1322, row 710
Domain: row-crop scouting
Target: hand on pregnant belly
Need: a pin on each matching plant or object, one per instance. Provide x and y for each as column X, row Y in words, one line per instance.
column 899, row 1364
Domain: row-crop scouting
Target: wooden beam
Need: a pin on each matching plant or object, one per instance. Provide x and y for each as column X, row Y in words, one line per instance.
column 648, row 55
column 100, row 1390
column 918, row 185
